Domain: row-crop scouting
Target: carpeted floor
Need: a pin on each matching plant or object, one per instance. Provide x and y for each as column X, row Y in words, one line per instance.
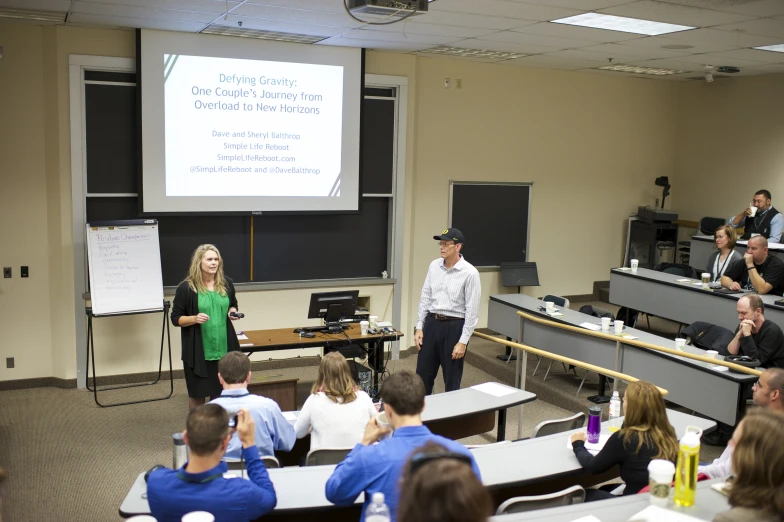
column 69, row 460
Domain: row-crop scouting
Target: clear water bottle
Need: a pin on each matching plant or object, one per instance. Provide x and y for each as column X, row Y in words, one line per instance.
column 615, row 412
column 686, row 468
column 377, row 511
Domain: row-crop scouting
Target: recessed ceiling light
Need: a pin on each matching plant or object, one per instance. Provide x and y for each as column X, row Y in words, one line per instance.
column 779, row 48
column 621, row 23
column 677, row 46
column 41, row 16
column 263, row 35
column 634, row 69
column 472, row 53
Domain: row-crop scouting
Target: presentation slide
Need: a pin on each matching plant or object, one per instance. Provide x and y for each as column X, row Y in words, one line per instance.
column 240, row 125
column 259, row 128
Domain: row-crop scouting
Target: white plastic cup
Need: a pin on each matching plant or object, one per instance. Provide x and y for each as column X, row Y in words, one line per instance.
column 363, row 327
column 660, row 475
column 549, row 306
column 706, row 280
column 634, row 264
column 680, row 344
column 142, row 518
column 618, row 327
column 383, row 422
column 198, row 516
column 753, row 210
column 711, row 353
column 373, row 321
column 605, row 324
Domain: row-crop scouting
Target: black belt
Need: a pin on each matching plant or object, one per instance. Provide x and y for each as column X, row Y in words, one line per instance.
column 442, row 317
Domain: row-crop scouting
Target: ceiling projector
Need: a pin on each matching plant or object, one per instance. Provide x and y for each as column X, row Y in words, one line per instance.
column 386, row 7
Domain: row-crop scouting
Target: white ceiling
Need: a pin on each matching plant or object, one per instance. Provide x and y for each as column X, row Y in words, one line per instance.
column 726, row 29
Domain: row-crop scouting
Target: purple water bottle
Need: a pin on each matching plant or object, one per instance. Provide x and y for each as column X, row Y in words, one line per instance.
column 594, row 423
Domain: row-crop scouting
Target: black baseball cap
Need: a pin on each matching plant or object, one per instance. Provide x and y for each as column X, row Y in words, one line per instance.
column 451, row 234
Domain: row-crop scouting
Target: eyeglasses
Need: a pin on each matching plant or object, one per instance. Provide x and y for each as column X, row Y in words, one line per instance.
column 420, row 459
column 445, row 244
column 757, row 384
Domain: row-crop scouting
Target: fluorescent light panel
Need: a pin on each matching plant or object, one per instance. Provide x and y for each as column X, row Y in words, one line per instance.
column 23, row 14
column 778, row 48
column 263, row 35
column 654, row 71
column 621, row 23
column 472, row 53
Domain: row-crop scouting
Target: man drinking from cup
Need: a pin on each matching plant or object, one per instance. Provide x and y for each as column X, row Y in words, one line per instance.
column 760, row 218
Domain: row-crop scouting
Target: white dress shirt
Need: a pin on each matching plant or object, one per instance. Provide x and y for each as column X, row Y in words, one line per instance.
column 720, row 467
column 335, row 424
column 454, row 292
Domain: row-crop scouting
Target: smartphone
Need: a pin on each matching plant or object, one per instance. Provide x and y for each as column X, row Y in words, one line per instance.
column 233, row 421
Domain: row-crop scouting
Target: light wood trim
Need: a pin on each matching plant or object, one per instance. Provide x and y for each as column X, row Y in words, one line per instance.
column 639, row 344
column 567, row 360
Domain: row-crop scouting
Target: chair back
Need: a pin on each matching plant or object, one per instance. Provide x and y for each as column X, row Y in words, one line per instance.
column 708, row 225
column 551, row 427
column 557, row 300
column 596, row 311
column 268, row 460
column 326, row 456
column 678, row 269
column 567, row 497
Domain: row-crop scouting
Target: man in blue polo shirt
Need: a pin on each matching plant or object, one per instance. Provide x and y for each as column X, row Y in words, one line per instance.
column 200, row 485
column 377, row 467
column 273, row 431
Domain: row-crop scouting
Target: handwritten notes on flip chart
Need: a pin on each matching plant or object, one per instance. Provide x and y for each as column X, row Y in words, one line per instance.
column 125, row 267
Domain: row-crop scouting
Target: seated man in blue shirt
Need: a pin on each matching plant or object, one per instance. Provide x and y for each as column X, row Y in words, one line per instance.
column 200, row 485
column 377, row 467
column 273, row 431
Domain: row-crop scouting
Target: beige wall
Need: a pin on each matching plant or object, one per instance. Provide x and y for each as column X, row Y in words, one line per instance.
column 730, row 144
column 591, row 144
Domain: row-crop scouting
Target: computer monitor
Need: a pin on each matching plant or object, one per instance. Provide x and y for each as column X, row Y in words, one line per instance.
column 320, row 302
column 519, row 274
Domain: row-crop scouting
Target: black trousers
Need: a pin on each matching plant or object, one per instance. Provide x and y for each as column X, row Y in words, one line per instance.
column 440, row 338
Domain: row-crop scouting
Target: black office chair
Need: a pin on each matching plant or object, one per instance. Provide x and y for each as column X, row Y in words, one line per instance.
column 708, row 225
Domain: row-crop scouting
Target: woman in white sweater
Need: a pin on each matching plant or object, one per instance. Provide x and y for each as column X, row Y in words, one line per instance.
column 336, row 412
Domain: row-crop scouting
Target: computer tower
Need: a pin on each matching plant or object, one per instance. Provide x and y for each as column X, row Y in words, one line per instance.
column 362, row 376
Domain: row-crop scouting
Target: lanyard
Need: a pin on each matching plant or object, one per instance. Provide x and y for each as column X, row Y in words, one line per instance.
column 234, row 396
column 720, row 270
column 182, row 476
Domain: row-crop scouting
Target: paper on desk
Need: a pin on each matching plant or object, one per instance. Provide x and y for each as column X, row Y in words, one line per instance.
column 685, row 280
column 243, row 345
column 556, row 314
column 589, row 518
column 289, row 416
column 627, row 336
column 658, row 514
column 697, row 283
column 242, row 337
column 494, row 389
column 592, row 447
column 718, row 368
column 590, row 326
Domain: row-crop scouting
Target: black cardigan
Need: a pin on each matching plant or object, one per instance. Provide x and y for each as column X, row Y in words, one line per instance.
column 186, row 302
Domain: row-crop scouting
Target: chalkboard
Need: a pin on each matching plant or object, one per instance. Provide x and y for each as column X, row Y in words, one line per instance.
column 493, row 218
column 125, row 266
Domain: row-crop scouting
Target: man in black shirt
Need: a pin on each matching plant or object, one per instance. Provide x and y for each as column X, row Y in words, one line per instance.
column 761, row 271
column 756, row 337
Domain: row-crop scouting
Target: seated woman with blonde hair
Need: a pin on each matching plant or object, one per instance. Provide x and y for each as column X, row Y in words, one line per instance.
column 646, row 434
column 757, row 491
column 336, row 412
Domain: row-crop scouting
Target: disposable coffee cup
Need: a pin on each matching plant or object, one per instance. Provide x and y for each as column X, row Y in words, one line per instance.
column 605, row 324
column 550, row 306
column 660, row 475
column 753, row 210
column 711, row 353
column 634, row 264
column 363, row 327
column 383, row 422
column 198, row 516
column 618, row 327
column 373, row 321
column 706, row 280
column 680, row 344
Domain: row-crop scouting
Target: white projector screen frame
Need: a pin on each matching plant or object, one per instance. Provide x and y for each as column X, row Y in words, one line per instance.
column 228, row 196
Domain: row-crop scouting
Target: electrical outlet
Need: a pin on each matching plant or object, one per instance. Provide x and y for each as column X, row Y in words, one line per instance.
column 447, row 83
column 24, row 272
column 9, row 362
column 7, row 272
column 459, row 83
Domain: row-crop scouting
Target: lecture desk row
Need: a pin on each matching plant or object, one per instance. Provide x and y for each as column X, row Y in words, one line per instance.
column 524, row 467
column 703, row 246
column 695, row 385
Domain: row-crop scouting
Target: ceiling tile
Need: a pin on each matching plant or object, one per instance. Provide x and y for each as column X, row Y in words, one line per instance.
column 282, row 27
column 577, row 33
column 140, row 23
column 126, row 11
column 619, row 50
column 769, row 68
column 464, row 58
column 717, row 59
column 372, row 44
column 507, row 47
column 306, row 5
column 580, row 5
column 57, row 6
column 504, row 8
column 536, row 39
column 598, row 59
column 755, row 54
column 669, row 63
column 434, row 29
column 748, row 7
column 468, row 20
column 696, row 47
column 723, row 38
column 383, row 36
column 207, row 6
column 773, row 27
column 674, row 14
column 542, row 61
column 295, row 15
